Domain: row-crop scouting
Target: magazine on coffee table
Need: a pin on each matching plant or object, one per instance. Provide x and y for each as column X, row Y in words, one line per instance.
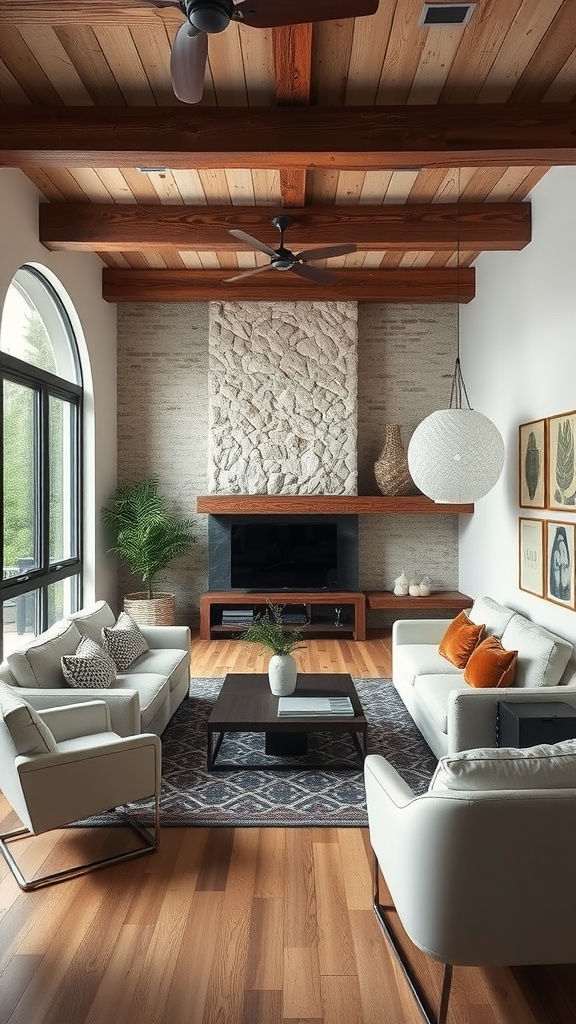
column 320, row 707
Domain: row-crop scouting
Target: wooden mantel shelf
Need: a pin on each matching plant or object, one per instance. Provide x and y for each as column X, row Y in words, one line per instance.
column 327, row 504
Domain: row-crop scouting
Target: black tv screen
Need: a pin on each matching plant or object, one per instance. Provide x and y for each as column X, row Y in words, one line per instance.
column 284, row 556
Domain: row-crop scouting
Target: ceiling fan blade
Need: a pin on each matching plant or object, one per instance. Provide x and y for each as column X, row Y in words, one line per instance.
column 314, row 274
column 247, row 273
column 326, row 252
column 188, row 63
column 271, row 13
column 254, row 243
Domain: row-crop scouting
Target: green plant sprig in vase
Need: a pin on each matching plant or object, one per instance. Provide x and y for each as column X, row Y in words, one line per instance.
column 268, row 630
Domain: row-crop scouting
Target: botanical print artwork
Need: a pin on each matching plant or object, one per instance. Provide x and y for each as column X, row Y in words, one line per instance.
column 530, row 532
column 562, row 465
column 560, row 563
column 532, row 468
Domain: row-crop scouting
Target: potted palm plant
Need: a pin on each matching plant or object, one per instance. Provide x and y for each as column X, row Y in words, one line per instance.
column 148, row 537
column 268, row 630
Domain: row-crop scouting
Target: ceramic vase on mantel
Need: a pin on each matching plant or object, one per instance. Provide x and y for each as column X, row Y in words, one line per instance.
column 391, row 468
column 282, row 674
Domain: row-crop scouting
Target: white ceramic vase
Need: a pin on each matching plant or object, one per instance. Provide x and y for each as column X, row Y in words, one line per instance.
column 282, row 674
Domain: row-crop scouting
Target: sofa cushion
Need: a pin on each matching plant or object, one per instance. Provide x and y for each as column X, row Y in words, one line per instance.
column 123, row 641
column 39, row 665
column 490, row 665
column 89, row 667
column 420, row 659
column 166, row 661
column 460, row 639
column 92, row 620
column 152, row 689
column 433, row 693
column 546, row 766
column 493, row 616
column 542, row 656
column 30, row 735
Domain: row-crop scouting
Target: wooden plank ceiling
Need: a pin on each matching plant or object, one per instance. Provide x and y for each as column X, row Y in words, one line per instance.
column 331, row 121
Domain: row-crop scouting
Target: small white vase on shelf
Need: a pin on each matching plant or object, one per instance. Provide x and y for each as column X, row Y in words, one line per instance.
column 282, row 674
column 414, row 590
column 424, row 587
column 401, row 585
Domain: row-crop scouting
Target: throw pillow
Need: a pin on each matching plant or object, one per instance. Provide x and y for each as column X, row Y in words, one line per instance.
column 90, row 667
column 30, row 735
column 546, row 766
column 542, row 656
column 460, row 639
column 493, row 616
column 490, row 665
column 124, row 642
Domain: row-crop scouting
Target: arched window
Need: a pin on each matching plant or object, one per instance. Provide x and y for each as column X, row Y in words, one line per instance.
column 40, row 450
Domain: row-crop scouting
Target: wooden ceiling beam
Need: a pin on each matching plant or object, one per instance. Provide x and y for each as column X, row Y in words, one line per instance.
column 440, row 285
column 422, row 226
column 292, row 48
column 345, row 138
column 69, row 12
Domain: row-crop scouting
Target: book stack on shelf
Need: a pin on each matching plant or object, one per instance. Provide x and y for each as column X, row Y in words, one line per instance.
column 237, row 616
column 314, row 707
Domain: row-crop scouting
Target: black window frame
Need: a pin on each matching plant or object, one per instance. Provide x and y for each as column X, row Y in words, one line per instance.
column 46, row 385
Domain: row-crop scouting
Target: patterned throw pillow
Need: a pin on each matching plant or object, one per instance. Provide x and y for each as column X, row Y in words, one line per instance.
column 124, row 642
column 90, row 667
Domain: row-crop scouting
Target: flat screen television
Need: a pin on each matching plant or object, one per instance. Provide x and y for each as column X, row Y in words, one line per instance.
column 284, row 556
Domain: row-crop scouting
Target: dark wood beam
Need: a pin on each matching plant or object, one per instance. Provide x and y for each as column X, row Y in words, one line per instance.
column 421, row 226
column 97, row 12
column 442, row 285
column 346, row 138
column 292, row 47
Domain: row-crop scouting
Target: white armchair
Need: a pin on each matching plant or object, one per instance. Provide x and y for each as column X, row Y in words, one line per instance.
column 65, row 764
column 477, row 877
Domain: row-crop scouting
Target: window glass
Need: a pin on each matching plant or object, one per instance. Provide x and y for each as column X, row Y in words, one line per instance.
column 62, row 599
column 20, row 617
column 62, row 463
column 34, row 326
column 20, row 499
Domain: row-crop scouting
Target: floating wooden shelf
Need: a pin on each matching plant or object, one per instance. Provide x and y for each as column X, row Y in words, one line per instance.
column 450, row 600
column 327, row 504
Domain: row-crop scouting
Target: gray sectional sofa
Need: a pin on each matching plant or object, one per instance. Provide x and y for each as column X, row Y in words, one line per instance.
column 452, row 715
column 142, row 699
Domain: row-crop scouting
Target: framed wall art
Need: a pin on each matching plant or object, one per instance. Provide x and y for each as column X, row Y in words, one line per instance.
column 532, row 473
column 561, row 463
column 531, row 556
column 560, row 563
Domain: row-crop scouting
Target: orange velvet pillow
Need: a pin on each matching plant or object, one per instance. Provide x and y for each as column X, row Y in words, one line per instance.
column 460, row 639
column 490, row 665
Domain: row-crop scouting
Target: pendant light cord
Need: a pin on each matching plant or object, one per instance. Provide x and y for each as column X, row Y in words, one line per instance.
column 458, row 388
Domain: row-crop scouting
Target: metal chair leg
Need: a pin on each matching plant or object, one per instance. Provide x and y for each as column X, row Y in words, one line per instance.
column 423, row 1005
column 151, row 843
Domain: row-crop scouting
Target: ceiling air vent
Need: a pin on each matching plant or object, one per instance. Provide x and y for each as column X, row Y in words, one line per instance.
column 446, row 14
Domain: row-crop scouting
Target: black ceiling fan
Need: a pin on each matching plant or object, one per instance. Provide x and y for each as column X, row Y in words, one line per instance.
column 207, row 17
column 282, row 259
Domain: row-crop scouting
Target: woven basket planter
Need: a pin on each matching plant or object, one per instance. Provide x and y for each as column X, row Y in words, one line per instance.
column 159, row 610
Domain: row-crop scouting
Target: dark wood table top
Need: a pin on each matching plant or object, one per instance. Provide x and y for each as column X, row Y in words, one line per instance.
column 246, row 703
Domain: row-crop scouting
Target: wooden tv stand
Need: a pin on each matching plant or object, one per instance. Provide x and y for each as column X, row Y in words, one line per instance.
column 213, row 601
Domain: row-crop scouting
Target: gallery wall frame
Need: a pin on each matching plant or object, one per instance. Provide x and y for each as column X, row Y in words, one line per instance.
column 531, row 556
column 560, row 446
column 532, row 464
column 560, row 577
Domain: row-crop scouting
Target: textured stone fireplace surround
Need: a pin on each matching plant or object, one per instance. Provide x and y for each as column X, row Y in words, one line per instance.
column 405, row 356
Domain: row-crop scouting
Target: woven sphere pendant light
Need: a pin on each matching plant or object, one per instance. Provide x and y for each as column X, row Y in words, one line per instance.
column 455, row 455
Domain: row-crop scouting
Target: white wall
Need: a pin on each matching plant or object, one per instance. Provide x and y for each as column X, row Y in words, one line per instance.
column 78, row 276
column 518, row 352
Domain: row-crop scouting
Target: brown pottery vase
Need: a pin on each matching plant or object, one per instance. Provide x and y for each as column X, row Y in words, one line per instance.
column 391, row 468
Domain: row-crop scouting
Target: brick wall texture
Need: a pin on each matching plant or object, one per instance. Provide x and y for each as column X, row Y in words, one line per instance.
column 405, row 361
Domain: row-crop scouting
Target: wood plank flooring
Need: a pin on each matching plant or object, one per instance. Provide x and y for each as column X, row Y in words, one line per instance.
column 234, row 926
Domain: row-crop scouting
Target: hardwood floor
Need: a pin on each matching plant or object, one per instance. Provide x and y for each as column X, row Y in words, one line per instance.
column 234, row 926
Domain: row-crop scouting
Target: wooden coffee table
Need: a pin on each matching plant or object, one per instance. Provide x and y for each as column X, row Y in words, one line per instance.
column 246, row 704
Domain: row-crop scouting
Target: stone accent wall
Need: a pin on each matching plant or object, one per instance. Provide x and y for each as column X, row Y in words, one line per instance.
column 163, row 424
column 405, row 363
column 283, row 386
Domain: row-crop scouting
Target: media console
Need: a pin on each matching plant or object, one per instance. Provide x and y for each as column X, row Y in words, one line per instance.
column 352, row 603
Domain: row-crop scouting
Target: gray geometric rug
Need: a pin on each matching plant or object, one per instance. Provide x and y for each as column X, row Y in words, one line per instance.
column 298, row 796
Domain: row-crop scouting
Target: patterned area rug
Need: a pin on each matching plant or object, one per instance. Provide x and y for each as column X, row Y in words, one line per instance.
column 298, row 796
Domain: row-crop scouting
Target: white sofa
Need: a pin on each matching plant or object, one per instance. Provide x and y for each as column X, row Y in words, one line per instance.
column 452, row 715
column 142, row 699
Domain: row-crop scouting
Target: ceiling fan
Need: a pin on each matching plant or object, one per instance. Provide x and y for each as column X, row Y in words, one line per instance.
column 207, row 17
column 282, row 259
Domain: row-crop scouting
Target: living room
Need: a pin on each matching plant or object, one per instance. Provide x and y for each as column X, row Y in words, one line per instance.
column 270, row 926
